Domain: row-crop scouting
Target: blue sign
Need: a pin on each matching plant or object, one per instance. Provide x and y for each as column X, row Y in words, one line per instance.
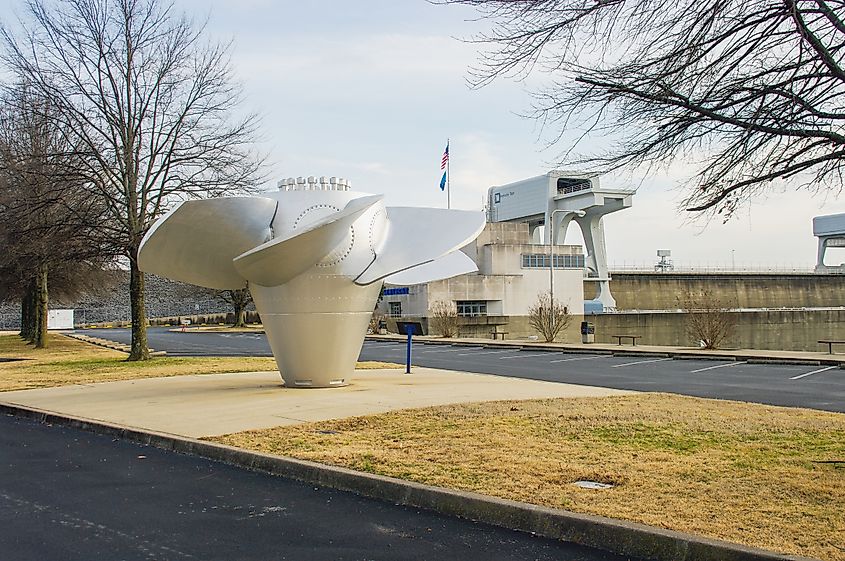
column 396, row 291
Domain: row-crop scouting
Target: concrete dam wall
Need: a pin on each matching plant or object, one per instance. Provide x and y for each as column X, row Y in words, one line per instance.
column 660, row 291
column 777, row 311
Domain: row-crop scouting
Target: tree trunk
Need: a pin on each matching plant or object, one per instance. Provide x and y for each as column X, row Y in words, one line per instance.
column 139, row 350
column 28, row 311
column 240, row 315
column 39, row 337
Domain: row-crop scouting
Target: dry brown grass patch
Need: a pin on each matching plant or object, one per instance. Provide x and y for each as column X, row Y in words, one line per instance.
column 741, row 472
column 377, row 365
column 69, row 361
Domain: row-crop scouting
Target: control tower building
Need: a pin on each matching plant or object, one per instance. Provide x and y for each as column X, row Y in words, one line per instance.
column 830, row 230
column 549, row 202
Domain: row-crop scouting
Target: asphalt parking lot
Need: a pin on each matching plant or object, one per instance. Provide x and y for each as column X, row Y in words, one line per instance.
column 69, row 495
column 817, row 387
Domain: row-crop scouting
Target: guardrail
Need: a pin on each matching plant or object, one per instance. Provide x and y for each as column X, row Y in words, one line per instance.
column 725, row 269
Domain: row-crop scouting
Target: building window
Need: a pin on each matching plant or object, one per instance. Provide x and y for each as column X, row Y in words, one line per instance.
column 471, row 308
column 566, row 185
column 540, row 261
column 395, row 309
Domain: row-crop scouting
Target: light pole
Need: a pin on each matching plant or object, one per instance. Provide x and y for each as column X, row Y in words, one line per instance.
column 552, row 241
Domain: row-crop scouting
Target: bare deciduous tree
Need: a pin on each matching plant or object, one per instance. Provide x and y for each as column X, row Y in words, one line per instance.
column 239, row 299
column 709, row 321
column 444, row 318
column 376, row 321
column 548, row 317
column 744, row 91
column 149, row 103
column 48, row 219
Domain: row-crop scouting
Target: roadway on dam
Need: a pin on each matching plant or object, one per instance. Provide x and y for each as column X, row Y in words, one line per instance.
column 793, row 385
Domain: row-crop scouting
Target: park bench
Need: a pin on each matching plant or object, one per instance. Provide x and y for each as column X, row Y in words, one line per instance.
column 633, row 339
column 830, row 343
column 495, row 333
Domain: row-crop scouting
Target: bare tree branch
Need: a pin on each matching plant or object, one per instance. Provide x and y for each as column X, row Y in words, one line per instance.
column 152, row 107
column 744, row 92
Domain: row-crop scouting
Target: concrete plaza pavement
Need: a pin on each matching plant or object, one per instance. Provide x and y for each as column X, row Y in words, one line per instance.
column 214, row 404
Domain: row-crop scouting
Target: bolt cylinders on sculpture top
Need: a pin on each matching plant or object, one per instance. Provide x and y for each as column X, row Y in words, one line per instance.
column 315, row 256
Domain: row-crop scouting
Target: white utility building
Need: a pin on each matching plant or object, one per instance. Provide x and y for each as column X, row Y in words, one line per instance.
column 59, row 319
column 557, row 198
column 512, row 273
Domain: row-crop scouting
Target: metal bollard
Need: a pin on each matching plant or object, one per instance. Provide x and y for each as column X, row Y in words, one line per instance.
column 409, row 329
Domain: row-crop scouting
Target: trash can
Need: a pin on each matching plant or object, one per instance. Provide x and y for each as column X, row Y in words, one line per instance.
column 588, row 332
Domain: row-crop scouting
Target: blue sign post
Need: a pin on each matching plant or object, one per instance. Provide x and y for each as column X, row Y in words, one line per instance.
column 409, row 329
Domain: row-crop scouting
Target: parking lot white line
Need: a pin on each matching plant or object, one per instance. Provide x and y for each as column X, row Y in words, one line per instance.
column 813, row 372
column 526, row 356
column 580, row 358
column 485, row 353
column 728, row 365
column 641, row 362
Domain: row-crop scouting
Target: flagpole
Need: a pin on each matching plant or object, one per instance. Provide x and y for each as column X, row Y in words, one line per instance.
column 448, row 177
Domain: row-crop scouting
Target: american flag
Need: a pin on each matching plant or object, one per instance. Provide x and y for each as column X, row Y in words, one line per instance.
column 445, row 159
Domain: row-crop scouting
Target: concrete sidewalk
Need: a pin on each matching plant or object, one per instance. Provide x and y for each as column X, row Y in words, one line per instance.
column 214, row 404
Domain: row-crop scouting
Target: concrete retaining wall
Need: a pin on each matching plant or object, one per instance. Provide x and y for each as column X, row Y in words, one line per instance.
column 789, row 330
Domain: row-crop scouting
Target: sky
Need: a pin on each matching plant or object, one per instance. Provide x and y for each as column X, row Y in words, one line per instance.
column 371, row 90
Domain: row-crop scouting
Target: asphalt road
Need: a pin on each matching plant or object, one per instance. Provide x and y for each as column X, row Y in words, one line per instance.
column 68, row 495
column 817, row 387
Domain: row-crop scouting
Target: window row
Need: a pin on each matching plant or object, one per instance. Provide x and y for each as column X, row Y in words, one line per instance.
column 471, row 308
column 465, row 308
column 567, row 185
column 540, row 261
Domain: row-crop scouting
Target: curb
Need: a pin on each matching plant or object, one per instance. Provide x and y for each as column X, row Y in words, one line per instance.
column 108, row 344
column 687, row 356
column 798, row 361
column 607, row 534
column 646, row 354
column 624, row 351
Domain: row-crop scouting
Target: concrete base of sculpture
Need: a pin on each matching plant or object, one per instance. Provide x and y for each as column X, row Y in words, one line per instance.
column 314, row 331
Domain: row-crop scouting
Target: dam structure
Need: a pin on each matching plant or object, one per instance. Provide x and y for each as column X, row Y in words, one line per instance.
column 550, row 202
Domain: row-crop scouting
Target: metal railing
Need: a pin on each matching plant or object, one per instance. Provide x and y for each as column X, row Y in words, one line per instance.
column 651, row 267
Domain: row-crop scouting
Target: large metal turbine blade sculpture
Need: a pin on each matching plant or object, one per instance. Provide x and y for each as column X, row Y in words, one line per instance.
column 315, row 255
